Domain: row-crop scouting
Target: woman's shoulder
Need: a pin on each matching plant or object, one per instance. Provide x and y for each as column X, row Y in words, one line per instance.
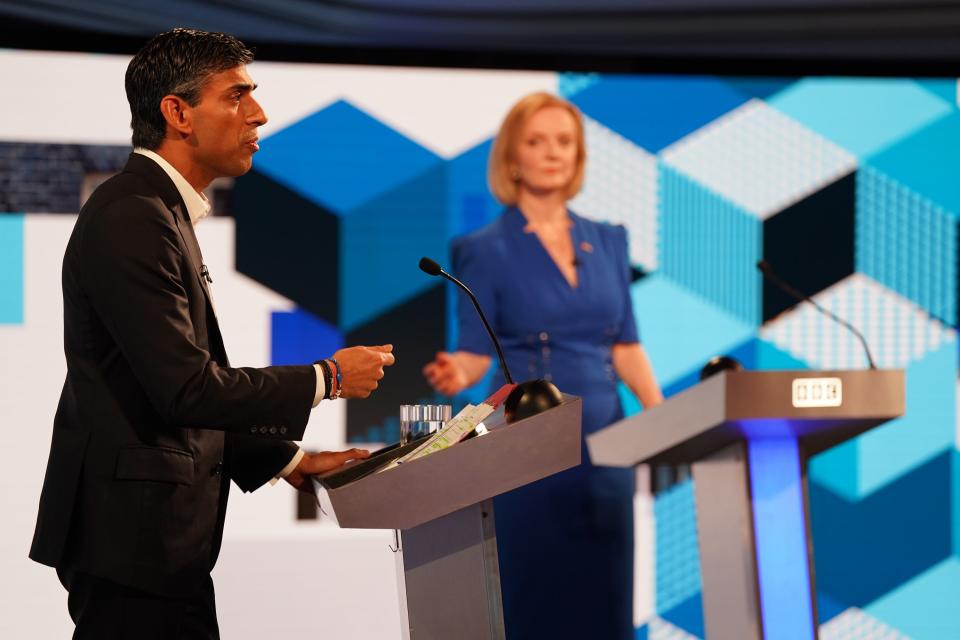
column 609, row 235
column 486, row 237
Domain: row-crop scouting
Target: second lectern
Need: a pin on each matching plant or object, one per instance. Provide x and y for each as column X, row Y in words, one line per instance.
column 748, row 436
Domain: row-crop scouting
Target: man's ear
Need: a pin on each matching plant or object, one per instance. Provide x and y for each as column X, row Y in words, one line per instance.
column 176, row 112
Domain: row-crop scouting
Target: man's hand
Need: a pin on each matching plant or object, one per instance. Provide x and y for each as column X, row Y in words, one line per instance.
column 316, row 463
column 362, row 368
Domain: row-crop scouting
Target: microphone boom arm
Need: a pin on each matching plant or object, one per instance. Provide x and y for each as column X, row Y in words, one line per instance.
column 476, row 304
column 770, row 274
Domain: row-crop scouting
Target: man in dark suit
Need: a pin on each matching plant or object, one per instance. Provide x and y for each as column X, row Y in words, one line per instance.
column 153, row 423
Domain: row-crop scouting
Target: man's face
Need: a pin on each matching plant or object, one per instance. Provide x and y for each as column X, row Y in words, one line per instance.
column 225, row 124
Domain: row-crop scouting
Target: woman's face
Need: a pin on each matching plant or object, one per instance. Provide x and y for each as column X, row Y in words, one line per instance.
column 546, row 153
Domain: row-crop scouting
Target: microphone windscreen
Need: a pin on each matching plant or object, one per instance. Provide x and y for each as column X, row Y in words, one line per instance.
column 430, row 267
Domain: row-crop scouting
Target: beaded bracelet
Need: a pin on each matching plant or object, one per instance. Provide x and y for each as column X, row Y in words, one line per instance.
column 327, row 378
column 339, row 378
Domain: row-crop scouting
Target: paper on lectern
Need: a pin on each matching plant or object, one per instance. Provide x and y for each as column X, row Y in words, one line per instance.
column 453, row 432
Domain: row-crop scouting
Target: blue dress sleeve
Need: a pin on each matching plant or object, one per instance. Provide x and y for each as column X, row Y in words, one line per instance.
column 628, row 328
column 473, row 265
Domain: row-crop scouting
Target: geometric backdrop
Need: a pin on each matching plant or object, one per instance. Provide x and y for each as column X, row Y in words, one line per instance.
column 847, row 186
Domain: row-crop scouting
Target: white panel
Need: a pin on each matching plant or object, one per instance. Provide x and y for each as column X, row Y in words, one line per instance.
column 32, row 369
column 80, row 98
column 314, row 582
column 759, row 159
column 446, row 111
column 644, row 550
column 620, row 186
column 660, row 629
column 63, row 98
column 880, row 320
column 854, row 624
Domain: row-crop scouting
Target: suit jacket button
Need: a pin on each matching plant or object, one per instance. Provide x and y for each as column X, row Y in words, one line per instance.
column 253, row 429
column 283, row 429
column 273, row 430
column 263, row 429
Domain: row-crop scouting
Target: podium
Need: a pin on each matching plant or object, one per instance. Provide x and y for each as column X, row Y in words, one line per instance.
column 748, row 436
column 442, row 507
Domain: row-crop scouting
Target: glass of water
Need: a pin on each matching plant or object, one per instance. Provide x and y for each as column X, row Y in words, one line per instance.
column 422, row 420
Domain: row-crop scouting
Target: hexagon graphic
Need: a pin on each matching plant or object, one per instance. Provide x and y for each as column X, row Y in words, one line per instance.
column 908, row 206
column 621, row 187
column 656, row 111
column 756, row 184
column 337, row 213
column 900, row 335
column 862, row 115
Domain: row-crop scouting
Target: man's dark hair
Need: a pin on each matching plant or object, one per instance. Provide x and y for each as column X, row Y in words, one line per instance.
column 178, row 62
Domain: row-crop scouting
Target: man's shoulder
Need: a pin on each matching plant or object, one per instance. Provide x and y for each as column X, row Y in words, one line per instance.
column 128, row 195
column 125, row 209
column 124, row 186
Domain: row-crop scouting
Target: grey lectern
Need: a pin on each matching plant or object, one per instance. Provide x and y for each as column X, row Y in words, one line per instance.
column 748, row 435
column 442, row 504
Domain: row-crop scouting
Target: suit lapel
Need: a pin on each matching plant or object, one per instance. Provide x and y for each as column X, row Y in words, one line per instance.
column 168, row 193
column 171, row 198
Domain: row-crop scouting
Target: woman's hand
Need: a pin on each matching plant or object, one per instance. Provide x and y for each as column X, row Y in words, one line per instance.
column 445, row 374
column 451, row 373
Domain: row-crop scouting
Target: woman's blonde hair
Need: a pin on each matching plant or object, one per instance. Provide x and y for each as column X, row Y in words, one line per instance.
column 504, row 184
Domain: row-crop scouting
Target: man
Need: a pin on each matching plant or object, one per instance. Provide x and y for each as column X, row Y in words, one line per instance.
column 153, row 423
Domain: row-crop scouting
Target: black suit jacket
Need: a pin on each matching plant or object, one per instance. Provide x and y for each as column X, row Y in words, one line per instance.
column 152, row 422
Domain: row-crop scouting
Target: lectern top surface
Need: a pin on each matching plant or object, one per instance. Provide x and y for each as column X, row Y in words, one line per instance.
column 507, row 457
column 819, row 408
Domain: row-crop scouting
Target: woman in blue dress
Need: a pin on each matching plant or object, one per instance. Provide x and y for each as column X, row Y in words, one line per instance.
column 556, row 289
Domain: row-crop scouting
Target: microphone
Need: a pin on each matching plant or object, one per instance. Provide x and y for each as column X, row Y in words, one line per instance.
column 527, row 398
column 430, row 267
column 772, row 276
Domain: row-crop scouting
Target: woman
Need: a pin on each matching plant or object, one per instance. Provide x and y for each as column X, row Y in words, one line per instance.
column 556, row 288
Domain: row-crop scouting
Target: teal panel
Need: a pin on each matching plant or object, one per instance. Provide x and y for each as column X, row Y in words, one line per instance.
column 382, row 243
column 341, row 158
column 710, row 245
column 863, row 465
column 628, row 401
column 681, row 330
column 955, row 500
column 688, row 616
column 927, row 428
column 571, row 83
column 677, row 551
column 837, row 469
column 927, row 161
column 945, row 89
column 761, row 355
column 11, row 268
column 907, row 242
column 866, row 548
column 924, row 608
column 862, row 115
column 759, row 87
